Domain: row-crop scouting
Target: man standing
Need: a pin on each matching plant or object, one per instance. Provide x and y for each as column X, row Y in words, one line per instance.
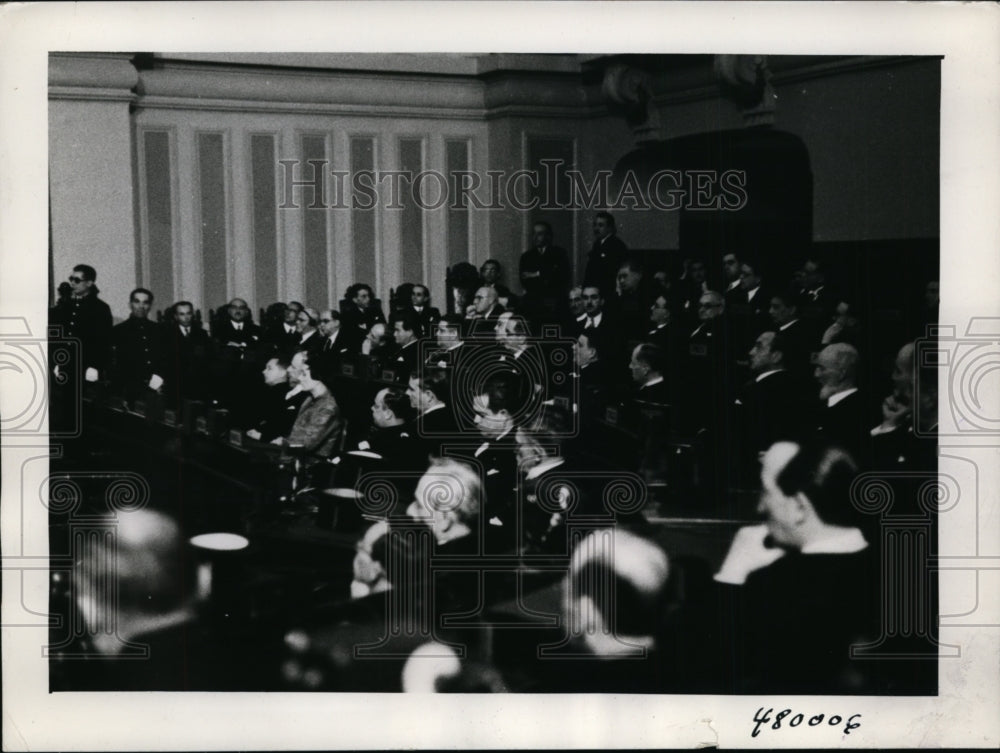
column 544, row 274
column 136, row 346
column 187, row 353
column 237, row 331
column 88, row 319
column 606, row 255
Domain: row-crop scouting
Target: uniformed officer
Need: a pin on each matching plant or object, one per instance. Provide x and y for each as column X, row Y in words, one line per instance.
column 136, row 345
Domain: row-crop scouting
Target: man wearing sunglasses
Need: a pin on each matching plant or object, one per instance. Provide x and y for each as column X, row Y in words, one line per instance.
column 87, row 318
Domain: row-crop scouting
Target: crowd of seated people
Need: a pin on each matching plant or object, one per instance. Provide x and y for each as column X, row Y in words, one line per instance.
column 503, row 426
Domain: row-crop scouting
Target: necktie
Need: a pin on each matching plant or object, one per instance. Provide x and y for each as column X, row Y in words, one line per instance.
column 590, row 323
column 185, row 331
column 328, row 346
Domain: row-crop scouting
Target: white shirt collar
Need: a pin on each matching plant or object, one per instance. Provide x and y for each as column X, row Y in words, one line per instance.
column 651, row 382
column 432, row 408
column 752, row 293
column 733, row 285
column 786, row 325
column 766, row 374
column 841, row 541
column 838, row 396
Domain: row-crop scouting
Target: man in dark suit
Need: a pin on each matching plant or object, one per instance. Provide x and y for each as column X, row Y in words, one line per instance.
column 843, row 416
column 426, row 315
column 747, row 307
column 237, row 331
column 450, row 342
column 665, row 331
column 497, row 456
column 359, row 313
column 783, row 633
column 405, row 333
column 392, row 429
column 800, row 336
column 490, row 274
column 772, row 405
column 904, row 440
column 390, row 450
column 486, row 310
column 283, row 336
column 307, row 324
column 334, row 347
column 595, row 385
column 818, row 300
column 647, row 366
column 87, row 318
column 544, row 268
column 595, row 309
column 136, row 345
column 429, row 391
column 575, row 319
column 187, row 353
column 730, row 271
column 236, row 365
column 635, row 295
column 606, row 255
column 274, row 414
column 545, row 275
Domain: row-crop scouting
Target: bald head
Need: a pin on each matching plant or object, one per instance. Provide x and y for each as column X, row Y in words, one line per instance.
column 484, row 299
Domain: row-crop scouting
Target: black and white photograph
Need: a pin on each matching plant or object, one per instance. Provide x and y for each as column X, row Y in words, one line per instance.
column 645, row 387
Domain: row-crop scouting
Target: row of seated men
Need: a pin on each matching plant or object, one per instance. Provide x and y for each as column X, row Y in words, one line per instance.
column 516, row 507
column 710, row 377
column 424, row 609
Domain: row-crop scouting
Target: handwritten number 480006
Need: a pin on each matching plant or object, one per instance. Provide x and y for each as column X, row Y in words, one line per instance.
column 764, row 717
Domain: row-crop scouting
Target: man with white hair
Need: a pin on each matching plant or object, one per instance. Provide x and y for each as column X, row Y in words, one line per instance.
column 485, row 310
column 448, row 500
column 843, row 415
